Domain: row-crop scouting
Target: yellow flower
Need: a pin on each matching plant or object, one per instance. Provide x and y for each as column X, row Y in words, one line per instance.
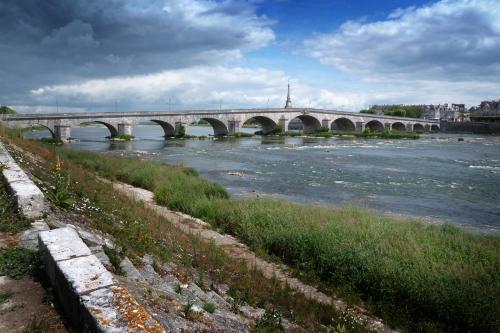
column 58, row 164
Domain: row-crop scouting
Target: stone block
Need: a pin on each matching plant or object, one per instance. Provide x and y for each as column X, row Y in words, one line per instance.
column 64, row 244
column 85, row 274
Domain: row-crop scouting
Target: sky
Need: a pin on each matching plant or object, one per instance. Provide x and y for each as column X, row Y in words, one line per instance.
column 114, row 55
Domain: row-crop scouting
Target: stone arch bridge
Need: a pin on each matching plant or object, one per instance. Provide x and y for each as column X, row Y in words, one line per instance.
column 223, row 122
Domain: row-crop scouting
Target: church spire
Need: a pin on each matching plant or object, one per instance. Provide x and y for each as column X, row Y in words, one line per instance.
column 288, row 103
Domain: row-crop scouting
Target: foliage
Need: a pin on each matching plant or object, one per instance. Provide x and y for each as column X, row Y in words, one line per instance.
column 409, row 111
column 4, row 296
column 370, row 111
column 209, row 307
column 18, row 262
column 54, row 141
column 115, row 260
column 386, row 134
column 123, row 137
column 181, row 132
column 10, row 220
column 270, row 322
column 7, row 110
column 60, row 193
column 241, row 135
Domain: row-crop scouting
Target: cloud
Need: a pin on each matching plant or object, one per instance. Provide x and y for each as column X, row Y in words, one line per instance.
column 457, row 39
column 442, row 46
column 196, row 87
column 53, row 42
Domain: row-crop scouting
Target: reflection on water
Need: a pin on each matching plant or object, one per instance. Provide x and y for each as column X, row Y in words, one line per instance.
column 436, row 176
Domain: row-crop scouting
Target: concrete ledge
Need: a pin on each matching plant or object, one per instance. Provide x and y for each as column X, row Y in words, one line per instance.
column 30, row 200
column 89, row 295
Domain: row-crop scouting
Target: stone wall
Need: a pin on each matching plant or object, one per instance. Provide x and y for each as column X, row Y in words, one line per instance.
column 471, row 127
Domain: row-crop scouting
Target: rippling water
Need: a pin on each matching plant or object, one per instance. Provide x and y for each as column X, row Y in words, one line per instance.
column 436, row 177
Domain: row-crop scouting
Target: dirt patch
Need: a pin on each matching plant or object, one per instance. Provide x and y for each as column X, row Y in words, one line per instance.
column 24, row 309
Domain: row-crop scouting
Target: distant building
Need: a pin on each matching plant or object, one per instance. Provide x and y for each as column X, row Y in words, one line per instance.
column 487, row 110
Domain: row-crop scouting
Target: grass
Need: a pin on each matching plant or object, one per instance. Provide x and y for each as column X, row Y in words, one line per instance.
column 138, row 230
column 412, row 274
column 10, row 220
column 209, row 307
column 16, row 263
column 5, row 296
column 418, row 277
column 387, row 134
column 115, row 260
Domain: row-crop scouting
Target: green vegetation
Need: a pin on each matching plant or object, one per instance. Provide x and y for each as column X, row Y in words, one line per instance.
column 60, row 194
column 409, row 111
column 412, row 274
column 241, row 135
column 51, row 140
column 10, row 221
column 4, row 296
column 485, row 118
column 181, row 133
column 123, row 137
column 6, row 110
column 270, row 323
column 370, row 111
column 209, row 307
column 418, row 277
column 115, row 260
column 387, row 134
column 16, row 263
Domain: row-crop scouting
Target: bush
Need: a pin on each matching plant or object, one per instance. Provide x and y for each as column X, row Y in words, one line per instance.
column 6, row 110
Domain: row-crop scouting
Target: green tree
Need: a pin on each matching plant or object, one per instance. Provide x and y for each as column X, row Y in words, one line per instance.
column 6, row 110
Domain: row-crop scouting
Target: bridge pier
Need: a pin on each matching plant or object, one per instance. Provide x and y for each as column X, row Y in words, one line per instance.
column 326, row 123
column 409, row 127
column 387, row 126
column 180, row 128
column 283, row 123
column 360, row 126
column 124, row 129
column 62, row 132
column 233, row 126
column 427, row 127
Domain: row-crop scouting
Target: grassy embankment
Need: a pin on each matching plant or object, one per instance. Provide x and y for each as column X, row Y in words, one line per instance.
column 420, row 277
column 139, row 230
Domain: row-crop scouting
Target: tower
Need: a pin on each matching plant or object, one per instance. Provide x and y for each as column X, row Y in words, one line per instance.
column 288, row 103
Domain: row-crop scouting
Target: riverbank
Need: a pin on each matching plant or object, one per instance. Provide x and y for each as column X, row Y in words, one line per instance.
column 420, row 276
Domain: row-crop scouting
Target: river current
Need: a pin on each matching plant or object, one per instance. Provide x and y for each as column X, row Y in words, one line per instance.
column 437, row 177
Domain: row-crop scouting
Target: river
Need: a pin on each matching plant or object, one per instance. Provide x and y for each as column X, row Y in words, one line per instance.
column 437, row 177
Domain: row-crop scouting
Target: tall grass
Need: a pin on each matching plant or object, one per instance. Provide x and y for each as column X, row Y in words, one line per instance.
column 420, row 276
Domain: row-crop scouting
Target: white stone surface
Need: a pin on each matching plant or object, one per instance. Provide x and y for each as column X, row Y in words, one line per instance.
column 29, row 197
column 64, row 244
column 85, row 274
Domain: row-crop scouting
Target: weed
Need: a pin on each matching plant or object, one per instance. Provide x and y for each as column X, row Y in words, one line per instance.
column 115, row 260
column 270, row 322
column 18, row 262
column 209, row 307
column 4, row 296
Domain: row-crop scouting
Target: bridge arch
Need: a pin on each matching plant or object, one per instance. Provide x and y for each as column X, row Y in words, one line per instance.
column 267, row 124
column 435, row 128
column 398, row 126
column 51, row 131
column 113, row 131
column 168, row 129
column 375, row 126
column 220, row 129
column 310, row 124
column 343, row 124
column 418, row 127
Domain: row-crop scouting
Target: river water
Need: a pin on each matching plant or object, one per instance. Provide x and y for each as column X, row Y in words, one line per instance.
column 436, row 177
